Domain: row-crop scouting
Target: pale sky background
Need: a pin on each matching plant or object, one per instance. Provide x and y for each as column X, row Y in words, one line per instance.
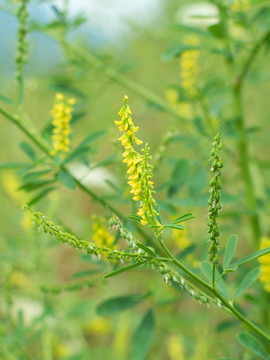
column 109, row 21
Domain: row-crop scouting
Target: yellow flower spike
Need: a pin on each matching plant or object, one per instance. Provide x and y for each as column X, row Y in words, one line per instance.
column 59, row 96
column 139, row 170
column 101, row 235
column 61, row 114
column 265, row 265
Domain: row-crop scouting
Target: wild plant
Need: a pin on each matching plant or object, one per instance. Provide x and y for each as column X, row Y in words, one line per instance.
column 140, row 225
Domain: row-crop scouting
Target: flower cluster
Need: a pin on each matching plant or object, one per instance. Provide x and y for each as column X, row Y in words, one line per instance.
column 189, row 70
column 22, row 45
column 265, row 265
column 61, row 114
column 147, row 210
column 159, row 264
column 240, row 5
column 214, row 202
column 139, row 169
column 189, row 66
column 101, row 235
column 181, row 239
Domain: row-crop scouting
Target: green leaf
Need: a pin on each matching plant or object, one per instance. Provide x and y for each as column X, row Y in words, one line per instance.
column 83, row 273
column 248, row 280
column 207, row 271
column 66, row 179
column 40, row 195
column 134, row 217
column 35, row 184
column 177, row 50
column 107, row 161
column 229, row 251
column 76, row 154
column 124, row 269
column 216, row 30
column 143, row 336
column 35, row 174
column 250, row 257
column 262, row 17
column 197, row 182
column 179, row 176
column 118, row 304
column 183, row 253
column 146, row 249
column 91, row 138
column 10, row 165
column 178, row 227
column 182, row 218
column 251, row 343
column 226, row 324
column 191, row 29
column 6, row 100
column 28, row 150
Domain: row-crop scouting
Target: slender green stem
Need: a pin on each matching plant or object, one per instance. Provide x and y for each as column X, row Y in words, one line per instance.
column 244, row 163
column 252, row 56
column 213, row 275
column 243, row 143
column 38, row 141
column 228, row 305
column 243, row 149
column 116, row 76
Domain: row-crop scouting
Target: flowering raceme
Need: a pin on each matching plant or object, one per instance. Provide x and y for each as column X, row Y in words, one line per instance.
column 240, row 5
column 189, row 66
column 61, row 114
column 189, row 70
column 265, row 265
column 139, row 171
column 101, row 235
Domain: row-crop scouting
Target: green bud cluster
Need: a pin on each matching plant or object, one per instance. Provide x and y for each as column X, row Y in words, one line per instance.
column 169, row 276
column 22, row 43
column 147, row 210
column 172, row 277
column 214, row 202
column 115, row 223
column 159, row 264
column 72, row 286
column 48, row 227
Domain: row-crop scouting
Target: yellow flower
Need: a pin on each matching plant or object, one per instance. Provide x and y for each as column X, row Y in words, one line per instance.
column 265, row 265
column 240, row 5
column 101, row 235
column 181, row 239
column 189, row 68
column 175, row 348
column 61, row 114
column 139, row 170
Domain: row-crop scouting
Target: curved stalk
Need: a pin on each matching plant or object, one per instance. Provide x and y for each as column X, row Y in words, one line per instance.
column 228, row 305
column 38, row 141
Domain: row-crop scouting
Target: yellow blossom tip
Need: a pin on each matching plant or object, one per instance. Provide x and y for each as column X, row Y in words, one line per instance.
column 71, row 101
column 59, row 96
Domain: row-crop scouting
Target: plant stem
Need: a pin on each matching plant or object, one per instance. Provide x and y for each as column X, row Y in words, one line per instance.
column 117, row 77
column 243, row 149
column 228, row 305
column 38, row 141
column 246, row 174
column 213, row 275
column 243, row 142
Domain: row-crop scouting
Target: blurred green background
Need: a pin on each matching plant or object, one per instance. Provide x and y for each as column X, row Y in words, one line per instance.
column 143, row 41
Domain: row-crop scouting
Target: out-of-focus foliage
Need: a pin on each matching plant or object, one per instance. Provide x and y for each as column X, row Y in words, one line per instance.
column 190, row 70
